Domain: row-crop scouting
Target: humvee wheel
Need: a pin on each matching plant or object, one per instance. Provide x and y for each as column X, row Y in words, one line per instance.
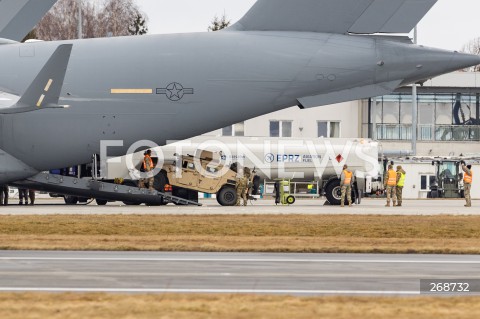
column 227, row 196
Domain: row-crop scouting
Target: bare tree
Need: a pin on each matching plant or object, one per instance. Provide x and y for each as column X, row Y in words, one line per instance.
column 117, row 17
column 472, row 47
column 112, row 18
column 60, row 23
column 219, row 23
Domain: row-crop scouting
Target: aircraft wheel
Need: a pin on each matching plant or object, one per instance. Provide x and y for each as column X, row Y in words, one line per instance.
column 227, row 196
column 132, row 203
column 101, row 202
column 70, row 200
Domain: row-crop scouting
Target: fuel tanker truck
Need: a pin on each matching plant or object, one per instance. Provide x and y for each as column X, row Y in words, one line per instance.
column 210, row 164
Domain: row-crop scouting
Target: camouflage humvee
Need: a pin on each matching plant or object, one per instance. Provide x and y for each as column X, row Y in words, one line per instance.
column 204, row 174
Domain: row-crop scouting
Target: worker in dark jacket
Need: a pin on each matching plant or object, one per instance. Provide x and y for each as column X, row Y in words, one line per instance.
column 4, row 195
column 22, row 195
column 31, row 195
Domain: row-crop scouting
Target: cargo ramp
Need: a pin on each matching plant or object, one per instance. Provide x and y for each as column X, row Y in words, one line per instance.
column 91, row 188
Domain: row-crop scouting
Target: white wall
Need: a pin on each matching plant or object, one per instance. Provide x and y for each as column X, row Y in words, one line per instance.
column 304, row 122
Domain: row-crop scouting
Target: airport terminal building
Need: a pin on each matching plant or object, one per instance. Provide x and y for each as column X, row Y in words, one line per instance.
column 448, row 119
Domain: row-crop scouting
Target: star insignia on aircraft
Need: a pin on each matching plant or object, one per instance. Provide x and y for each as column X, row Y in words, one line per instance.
column 175, row 91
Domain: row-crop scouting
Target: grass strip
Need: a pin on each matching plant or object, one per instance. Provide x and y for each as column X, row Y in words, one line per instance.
column 268, row 233
column 53, row 306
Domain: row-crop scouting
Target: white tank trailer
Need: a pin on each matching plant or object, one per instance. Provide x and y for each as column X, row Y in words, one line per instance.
column 320, row 160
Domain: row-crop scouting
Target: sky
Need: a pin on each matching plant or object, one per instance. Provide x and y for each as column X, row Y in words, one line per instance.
column 449, row 25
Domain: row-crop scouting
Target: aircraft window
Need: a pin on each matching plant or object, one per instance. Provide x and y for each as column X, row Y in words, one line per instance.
column 191, row 166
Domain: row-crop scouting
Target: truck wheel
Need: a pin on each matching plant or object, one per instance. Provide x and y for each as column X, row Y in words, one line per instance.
column 333, row 192
column 101, row 202
column 70, row 200
column 227, row 196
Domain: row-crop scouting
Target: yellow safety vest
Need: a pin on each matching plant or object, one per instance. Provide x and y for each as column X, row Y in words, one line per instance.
column 392, row 178
column 401, row 181
column 348, row 177
column 468, row 178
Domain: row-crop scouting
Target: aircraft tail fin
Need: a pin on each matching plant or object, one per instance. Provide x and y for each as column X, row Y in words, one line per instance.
column 19, row 17
column 45, row 90
column 335, row 16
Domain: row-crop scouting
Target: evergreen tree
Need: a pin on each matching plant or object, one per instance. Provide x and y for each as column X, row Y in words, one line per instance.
column 219, row 24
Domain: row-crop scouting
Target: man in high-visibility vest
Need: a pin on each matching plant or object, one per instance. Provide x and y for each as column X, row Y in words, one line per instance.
column 147, row 169
column 401, row 174
column 467, row 183
column 346, row 181
column 390, row 181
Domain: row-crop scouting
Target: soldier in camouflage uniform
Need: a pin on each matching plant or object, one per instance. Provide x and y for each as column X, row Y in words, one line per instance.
column 242, row 187
column 400, row 184
column 346, row 181
column 467, row 183
column 147, row 169
column 390, row 181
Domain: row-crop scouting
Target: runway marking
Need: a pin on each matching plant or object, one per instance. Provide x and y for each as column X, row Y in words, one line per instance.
column 366, row 261
column 212, row 291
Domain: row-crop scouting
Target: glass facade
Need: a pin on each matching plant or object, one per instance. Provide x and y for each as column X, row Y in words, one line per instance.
column 441, row 117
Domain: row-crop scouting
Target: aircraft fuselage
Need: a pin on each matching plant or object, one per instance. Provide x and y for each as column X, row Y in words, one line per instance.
column 172, row 87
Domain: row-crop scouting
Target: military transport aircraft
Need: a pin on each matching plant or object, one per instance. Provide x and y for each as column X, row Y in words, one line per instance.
column 58, row 100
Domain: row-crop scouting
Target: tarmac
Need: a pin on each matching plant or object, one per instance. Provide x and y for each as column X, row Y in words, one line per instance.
column 247, row 273
column 264, row 206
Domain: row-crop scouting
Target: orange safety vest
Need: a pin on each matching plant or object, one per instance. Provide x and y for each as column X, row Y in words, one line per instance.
column 348, row 177
column 468, row 178
column 149, row 159
column 392, row 178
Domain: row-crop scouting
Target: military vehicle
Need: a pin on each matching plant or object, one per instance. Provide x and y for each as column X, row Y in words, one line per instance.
column 189, row 175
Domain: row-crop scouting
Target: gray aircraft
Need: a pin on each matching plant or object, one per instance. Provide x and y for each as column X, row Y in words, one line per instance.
column 58, row 100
